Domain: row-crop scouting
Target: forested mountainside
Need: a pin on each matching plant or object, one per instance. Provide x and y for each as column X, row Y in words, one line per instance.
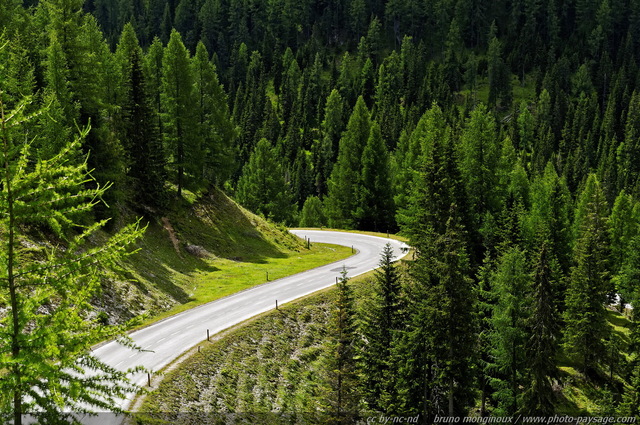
column 502, row 137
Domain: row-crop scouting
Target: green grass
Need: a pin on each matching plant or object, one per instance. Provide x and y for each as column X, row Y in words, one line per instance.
column 270, row 363
column 520, row 92
column 582, row 396
column 235, row 250
column 226, row 277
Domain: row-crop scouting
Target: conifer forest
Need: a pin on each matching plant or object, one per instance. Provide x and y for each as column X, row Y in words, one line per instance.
column 501, row 138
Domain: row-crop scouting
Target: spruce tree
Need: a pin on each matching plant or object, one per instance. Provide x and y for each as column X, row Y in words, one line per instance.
column 340, row 379
column 542, row 347
column 142, row 139
column 380, row 324
column 498, row 75
column 437, row 346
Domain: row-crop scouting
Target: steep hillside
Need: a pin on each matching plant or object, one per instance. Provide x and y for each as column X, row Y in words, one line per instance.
column 203, row 249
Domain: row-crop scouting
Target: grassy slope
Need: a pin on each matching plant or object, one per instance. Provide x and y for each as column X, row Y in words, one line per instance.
column 578, row 396
column 234, row 251
column 268, row 364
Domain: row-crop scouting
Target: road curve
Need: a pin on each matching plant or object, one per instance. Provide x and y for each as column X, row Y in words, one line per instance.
column 167, row 339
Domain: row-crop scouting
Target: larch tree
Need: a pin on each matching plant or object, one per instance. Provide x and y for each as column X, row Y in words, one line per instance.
column 345, row 177
column 326, row 149
column 312, row 214
column 413, row 148
column 589, row 283
column 48, row 327
column 375, row 200
column 623, row 228
column 510, row 285
column 178, row 109
column 214, row 124
column 262, row 188
column 479, row 162
column 152, row 67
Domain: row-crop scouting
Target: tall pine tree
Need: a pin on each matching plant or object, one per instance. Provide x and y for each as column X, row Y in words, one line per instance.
column 586, row 327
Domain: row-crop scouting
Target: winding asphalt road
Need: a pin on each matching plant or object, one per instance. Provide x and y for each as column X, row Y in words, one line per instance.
column 167, row 339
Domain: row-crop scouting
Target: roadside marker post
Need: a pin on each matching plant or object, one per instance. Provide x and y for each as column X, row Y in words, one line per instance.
column 276, row 304
column 148, row 379
column 208, row 335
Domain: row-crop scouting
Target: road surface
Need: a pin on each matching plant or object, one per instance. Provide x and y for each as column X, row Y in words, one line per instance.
column 167, row 339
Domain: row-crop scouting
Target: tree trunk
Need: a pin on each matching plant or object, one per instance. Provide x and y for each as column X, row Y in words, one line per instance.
column 13, row 296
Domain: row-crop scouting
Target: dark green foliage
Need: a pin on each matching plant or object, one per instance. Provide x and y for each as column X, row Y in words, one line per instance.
column 387, row 106
column 381, row 322
column 560, row 84
column 542, row 346
column 498, row 75
column 142, row 138
column 434, row 371
column 340, row 379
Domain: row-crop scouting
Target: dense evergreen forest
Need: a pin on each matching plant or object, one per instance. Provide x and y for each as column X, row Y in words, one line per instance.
column 503, row 138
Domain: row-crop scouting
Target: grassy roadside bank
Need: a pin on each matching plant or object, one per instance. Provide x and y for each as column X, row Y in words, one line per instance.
column 203, row 249
column 268, row 363
column 228, row 276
